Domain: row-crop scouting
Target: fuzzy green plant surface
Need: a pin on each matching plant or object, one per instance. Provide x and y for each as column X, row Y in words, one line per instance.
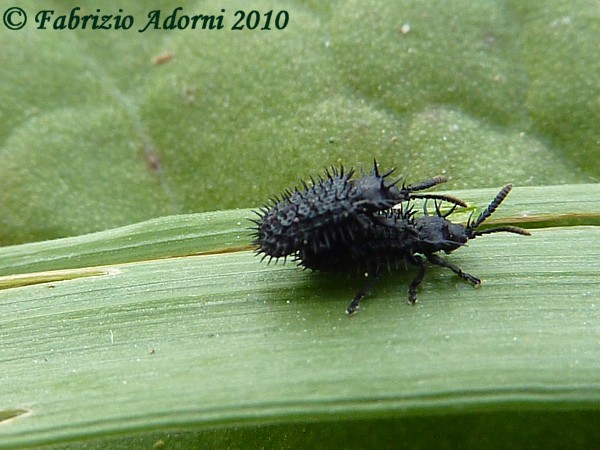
column 102, row 128
column 127, row 348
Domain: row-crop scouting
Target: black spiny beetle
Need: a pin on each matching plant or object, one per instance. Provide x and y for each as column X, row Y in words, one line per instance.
column 344, row 224
column 331, row 210
column 398, row 238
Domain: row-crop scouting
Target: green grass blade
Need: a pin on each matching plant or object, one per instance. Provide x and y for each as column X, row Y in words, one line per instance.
column 187, row 350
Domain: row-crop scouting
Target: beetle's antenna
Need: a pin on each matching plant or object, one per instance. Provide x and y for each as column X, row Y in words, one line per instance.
column 508, row 228
column 472, row 226
column 427, row 184
column 490, row 209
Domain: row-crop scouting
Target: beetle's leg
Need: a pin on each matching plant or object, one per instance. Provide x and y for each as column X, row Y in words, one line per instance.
column 355, row 304
column 435, row 259
column 415, row 260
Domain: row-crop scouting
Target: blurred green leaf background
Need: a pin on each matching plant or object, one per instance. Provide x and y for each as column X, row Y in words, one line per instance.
column 96, row 133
